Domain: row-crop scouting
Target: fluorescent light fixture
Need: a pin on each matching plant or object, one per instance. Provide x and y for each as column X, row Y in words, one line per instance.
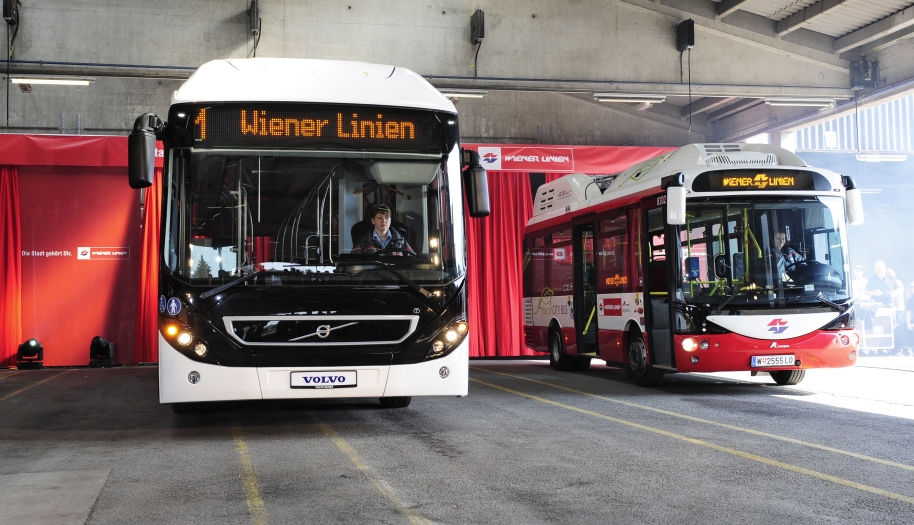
column 51, row 80
column 629, row 97
column 801, row 101
column 881, row 157
column 465, row 93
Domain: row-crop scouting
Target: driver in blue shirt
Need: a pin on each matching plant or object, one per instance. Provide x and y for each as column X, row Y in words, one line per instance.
column 382, row 236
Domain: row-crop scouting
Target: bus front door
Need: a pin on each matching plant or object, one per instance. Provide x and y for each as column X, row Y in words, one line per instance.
column 660, row 257
column 585, row 298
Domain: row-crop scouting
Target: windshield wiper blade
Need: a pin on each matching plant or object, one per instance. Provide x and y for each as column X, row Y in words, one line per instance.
column 836, row 306
column 226, row 286
column 409, row 282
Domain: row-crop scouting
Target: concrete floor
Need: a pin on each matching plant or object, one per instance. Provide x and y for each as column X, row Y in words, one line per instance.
column 529, row 445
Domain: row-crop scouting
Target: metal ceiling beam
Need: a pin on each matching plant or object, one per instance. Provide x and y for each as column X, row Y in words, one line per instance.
column 886, row 41
column 728, row 7
column 704, row 105
column 735, row 108
column 796, row 20
column 888, row 25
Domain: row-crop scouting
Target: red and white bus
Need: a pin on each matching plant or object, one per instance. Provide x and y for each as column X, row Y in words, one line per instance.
column 711, row 258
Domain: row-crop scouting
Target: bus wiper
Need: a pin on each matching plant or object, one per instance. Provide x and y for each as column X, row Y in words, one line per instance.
column 733, row 296
column 226, row 286
column 836, row 306
column 409, row 282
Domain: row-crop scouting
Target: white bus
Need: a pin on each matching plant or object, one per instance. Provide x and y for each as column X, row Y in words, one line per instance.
column 712, row 258
column 273, row 168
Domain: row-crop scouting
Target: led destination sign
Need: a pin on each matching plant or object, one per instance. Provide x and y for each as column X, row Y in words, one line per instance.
column 325, row 127
column 754, row 180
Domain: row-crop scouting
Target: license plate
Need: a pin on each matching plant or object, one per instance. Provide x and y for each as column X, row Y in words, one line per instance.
column 773, row 360
column 323, row 380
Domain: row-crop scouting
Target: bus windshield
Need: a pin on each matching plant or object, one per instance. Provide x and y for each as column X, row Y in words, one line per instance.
column 228, row 215
column 785, row 249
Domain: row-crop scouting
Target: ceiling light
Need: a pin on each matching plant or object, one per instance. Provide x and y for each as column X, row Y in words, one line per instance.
column 629, row 97
column 807, row 102
column 466, row 93
column 881, row 157
column 52, row 80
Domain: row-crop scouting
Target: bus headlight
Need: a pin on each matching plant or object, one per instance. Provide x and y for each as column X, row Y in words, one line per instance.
column 448, row 339
column 184, row 338
column 689, row 344
column 200, row 349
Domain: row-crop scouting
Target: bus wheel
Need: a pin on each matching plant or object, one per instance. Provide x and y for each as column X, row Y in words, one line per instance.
column 183, row 408
column 788, row 377
column 557, row 356
column 638, row 370
column 395, row 402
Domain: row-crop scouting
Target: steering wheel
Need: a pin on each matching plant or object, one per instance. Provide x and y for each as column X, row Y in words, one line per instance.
column 391, row 249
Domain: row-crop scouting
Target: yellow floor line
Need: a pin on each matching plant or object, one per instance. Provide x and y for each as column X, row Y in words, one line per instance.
column 249, row 480
column 739, row 453
column 709, row 422
column 33, row 385
column 414, row 517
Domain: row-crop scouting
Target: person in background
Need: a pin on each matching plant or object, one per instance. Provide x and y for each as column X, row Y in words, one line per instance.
column 880, row 287
column 897, row 296
column 858, row 285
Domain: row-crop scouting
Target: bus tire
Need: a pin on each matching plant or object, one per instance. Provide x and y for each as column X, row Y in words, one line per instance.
column 582, row 363
column 638, row 370
column 395, row 402
column 183, row 408
column 788, row 377
column 558, row 359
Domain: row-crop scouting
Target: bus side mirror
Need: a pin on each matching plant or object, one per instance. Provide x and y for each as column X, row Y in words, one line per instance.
column 853, row 201
column 476, row 184
column 141, row 150
column 676, row 205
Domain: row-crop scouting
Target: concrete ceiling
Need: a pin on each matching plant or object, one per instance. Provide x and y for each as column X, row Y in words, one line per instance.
column 541, row 61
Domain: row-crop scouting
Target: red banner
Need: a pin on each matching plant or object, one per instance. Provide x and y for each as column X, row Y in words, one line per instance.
column 562, row 159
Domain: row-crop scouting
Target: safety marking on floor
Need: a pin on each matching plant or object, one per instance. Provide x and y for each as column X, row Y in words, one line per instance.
column 8, row 375
column 710, row 422
column 249, row 480
column 414, row 517
column 33, row 385
column 713, row 446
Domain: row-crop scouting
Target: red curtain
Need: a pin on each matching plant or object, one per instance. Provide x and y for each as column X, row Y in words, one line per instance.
column 146, row 349
column 10, row 266
column 495, row 266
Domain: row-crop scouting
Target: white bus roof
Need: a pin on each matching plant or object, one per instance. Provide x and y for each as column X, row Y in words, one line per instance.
column 305, row 80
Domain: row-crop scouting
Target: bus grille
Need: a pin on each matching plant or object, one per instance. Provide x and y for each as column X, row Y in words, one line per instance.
column 321, row 330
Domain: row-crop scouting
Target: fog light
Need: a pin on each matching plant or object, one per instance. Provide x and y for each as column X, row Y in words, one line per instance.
column 845, row 340
column 852, row 355
column 438, row 347
column 200, row 349
column 451, row 336
column 461, row 328
column 694, row 359
column 704, row 344
column 193, row 377
column 184, row 338
column 689, row 344
column 444, row 372
column 856, row 338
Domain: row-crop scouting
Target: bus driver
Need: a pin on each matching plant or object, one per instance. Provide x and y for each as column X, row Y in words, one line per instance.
column 382, row 236
column 787, row 256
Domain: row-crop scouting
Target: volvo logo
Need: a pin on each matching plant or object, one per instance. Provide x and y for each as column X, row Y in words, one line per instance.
column 323, row 331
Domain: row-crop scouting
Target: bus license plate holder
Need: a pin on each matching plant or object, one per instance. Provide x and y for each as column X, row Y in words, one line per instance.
column 761, row 361
column 325, row 379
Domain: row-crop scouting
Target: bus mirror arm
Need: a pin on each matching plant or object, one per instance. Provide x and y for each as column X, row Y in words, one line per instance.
column 476, row 184
column 141, row 150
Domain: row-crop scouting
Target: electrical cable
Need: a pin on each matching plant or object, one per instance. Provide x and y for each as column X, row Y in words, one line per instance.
column 476, row 59
column 690, row 92
column 257, row 38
